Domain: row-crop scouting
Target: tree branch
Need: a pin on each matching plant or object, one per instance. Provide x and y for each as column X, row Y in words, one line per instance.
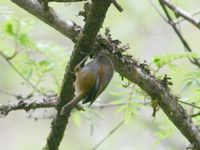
column 108, row 105
column 181, row 20
column 67, row 0
column 116, row 4
column 195, row 115
column 82, row 47
column 170, row 21
column 180, row 12
column 179, row 34
column 128, row 68
column 158, row 91
column 189, row 104
column 34, row 87
column 108, row 135
column 27, row 104
column 66, row 27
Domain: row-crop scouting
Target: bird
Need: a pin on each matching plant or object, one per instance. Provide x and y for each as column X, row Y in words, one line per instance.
column 91, row 81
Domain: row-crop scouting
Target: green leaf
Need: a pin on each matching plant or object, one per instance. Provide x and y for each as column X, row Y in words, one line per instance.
column 168, row 59
column 19, row 29
column 8, row 28
column 45, row 66
column 25, row 40
column 44, row 63
column 129, row 113
column 11, row 27
column 163, row 134
column 116, row 102
column 122, row 108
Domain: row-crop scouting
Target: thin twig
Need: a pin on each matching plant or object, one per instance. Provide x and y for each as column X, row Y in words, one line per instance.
column 195, row 115
column 109, row 134
column 180, row 36
column 20, row 74
column 117, row 5
column 180, row 12
column 158, row 11
column 102, row 106
column 131, row 93
column 10, row 94
column 192, row 105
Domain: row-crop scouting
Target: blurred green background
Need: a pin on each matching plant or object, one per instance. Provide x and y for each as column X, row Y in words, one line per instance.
column 43, row 54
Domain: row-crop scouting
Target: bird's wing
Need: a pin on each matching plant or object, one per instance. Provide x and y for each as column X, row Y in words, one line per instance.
column 93, row 93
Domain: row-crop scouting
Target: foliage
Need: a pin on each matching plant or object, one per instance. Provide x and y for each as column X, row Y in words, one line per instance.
column 169, row 59
column 42, row 63
column 127, row 99
column 36, row 61
column 190, row 87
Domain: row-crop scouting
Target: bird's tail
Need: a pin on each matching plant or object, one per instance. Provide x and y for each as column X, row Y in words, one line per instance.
column 70, row 105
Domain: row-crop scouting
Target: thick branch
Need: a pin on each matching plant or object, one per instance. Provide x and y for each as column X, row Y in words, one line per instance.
column 130, row 69
column 27, row 104
column 115, row 3
column 66, row 0
column 84, row 45
column 156, row 89
column 167, row 101
column 66, row 27
column 179, row 11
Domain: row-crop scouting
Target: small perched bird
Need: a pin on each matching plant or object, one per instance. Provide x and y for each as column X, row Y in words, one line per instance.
column 91, row 80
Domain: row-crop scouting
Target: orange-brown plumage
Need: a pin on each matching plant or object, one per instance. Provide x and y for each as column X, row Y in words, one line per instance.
column 91, row 80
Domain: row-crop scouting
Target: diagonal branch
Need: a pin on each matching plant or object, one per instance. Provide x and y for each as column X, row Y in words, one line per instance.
column 180, row 12
column 179, row 34
column 195, row 115
column 66, row 1
column 27, row 104
column 158, row 91
column 116, row 4
column 181, row 20
column 68, row 28
column 173, row 24
column 133, row 71
column 109, row 134
column 84, row 45
column 34, row 87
